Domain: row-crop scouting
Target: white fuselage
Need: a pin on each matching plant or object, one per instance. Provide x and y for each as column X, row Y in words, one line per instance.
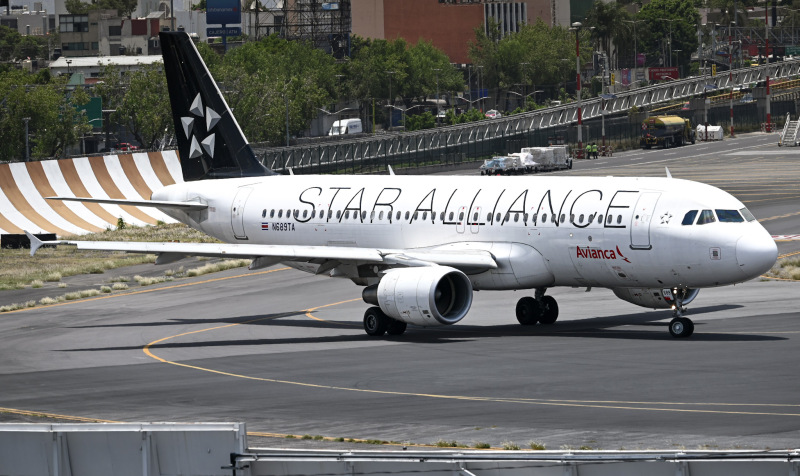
column 607, row 232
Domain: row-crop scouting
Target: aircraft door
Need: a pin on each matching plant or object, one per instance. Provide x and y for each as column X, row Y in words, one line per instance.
column 475, row 220
column 461, row 220
column 237, row 212
column 640, row 220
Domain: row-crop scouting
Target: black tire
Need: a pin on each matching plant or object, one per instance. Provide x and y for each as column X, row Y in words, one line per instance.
column 681, row 327
column 549, row 310
column 395, row 327
column 375, row 322
column 528, row 311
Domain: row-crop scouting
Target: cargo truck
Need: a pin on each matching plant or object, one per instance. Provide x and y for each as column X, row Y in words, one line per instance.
column 666, row 132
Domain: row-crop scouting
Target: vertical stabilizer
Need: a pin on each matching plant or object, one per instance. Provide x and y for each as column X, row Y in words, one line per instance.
column 210, row 141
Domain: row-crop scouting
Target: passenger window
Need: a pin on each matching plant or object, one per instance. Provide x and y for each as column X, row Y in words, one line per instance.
column 408, row 214
column 608, row 219
column 280, row 213
column 572, row 217
column 305, row 213
column 441, row 216
column 372, row 215
column 619, row 219
column 747, row 215
column 562, row 218
column 489, row 217
column 525, row 217
column 461, row 216
column 397, row 217
column 706, row 216
column 729, row 216
column 451, row 217
column 264, row 213
column 272, row 213
column 347, row 214
column 599, row 219
column 363, row 214
column 380, row 215
column 416, row 214
column 535, row 217
column 580, row 218
column 497, row 217
column 475, row 217
column 688, row 219
column 330, row 214
column 338, row 214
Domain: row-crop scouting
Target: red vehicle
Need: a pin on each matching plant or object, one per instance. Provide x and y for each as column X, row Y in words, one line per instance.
column 125, row 147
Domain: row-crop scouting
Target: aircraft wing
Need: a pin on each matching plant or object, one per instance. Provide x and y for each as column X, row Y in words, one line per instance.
column 186, row 206
column 267, row 255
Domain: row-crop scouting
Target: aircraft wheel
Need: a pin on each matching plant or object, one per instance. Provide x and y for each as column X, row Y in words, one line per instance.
column 375, row 321
column 549, row 310
column 395, row 327
column 528, row 311
column 681, row 327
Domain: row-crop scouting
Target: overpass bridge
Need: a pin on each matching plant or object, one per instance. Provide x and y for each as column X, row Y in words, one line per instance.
column 486, row 137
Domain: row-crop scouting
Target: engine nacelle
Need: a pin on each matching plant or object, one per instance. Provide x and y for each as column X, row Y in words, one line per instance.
column 424, row 296
column 655, row 298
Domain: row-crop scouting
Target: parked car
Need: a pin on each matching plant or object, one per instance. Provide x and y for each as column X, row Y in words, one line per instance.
column 493, row 114
column 125, row 147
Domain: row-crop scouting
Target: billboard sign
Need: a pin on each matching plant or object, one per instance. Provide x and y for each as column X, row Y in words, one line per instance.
column 223, row 12
column 227, row 31
column 330, row 5
column 668, row 73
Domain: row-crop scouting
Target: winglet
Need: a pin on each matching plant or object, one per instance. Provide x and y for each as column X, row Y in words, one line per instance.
column 669, row 175
column 36, row 243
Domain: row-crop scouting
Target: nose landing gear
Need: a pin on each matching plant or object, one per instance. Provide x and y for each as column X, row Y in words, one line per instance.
column 680, row 326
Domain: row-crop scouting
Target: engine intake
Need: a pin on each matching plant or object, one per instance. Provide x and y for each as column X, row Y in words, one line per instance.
column 424, row 296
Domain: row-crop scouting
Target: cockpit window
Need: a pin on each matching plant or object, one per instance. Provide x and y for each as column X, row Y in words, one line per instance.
column 706, row 216
column 747, row 215
column 729, row 216
column 688, row 219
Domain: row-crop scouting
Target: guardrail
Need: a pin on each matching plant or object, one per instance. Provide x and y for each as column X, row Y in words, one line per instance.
column 480, row 137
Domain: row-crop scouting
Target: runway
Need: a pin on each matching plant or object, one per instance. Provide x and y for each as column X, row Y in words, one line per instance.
column 285, row 352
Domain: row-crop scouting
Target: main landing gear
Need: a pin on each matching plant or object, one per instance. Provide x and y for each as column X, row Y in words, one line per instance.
column 680, row 326
column 543, row 309
column 376, row 323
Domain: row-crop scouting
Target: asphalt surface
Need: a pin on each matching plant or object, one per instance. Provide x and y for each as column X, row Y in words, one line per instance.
column 285, row 352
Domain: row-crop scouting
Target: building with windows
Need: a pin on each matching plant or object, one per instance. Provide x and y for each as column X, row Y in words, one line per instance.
column 450, row 24
column 104, row 33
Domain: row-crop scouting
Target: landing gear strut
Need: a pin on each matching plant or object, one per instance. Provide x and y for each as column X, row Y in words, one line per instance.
column 543, row 309
column 680, row 326
column 376, row 323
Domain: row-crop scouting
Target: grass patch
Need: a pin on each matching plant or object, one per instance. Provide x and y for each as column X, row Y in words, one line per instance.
column 150, row 281
column 37, row 283
column 105, row 289
column 482, row 446
column 216, row 267
column 785, row 269
column 535, row 445
column 510, row 446
column 19, row 269
column 119, row 286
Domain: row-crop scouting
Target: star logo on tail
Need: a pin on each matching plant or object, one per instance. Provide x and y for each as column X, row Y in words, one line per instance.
column 196, row 147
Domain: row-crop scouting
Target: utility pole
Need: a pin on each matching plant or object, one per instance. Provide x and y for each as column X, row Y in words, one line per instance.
column 27, row 149
column 768, row 126
column 577, row 27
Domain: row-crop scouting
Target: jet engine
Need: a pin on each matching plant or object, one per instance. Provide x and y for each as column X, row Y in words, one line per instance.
column 424, row 296
column 656, row 298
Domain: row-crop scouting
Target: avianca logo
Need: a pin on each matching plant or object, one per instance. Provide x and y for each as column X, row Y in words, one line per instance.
column 594, row 253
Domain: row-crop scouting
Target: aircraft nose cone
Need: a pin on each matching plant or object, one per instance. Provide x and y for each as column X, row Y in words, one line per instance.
column 756, row 253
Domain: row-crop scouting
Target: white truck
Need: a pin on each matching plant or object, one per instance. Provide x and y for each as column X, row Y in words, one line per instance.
column 346, row 126
column 546, row 159
column 502, row 165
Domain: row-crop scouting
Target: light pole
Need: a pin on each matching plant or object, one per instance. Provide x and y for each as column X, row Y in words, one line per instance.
column 69, row 62
column 27, row 149
column 635, row 47
column 480, row 91
column 438, row 107
column 577, row 27
column 670, row 20
column 677, row 53
column 768, row 127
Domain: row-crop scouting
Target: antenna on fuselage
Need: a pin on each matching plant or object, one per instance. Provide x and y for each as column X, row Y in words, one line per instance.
column 669, row 175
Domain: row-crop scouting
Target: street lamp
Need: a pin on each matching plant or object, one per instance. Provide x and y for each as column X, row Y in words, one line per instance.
column 69, row 62
column 390, row 73
column 438, row 107
column 635, row 47
column 27, row 149
column 577, row 28
column 679, row 63
column 603, row 115
column 480, row 91
column 670, row 20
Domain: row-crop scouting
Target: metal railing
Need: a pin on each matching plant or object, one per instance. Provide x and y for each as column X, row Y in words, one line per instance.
column 485, row 137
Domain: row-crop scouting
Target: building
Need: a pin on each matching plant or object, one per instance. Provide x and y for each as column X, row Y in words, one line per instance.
column 450, row 24
column 27, row 22
column 104, row 33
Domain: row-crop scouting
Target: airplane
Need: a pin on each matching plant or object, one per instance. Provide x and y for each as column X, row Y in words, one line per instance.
column 420, row 246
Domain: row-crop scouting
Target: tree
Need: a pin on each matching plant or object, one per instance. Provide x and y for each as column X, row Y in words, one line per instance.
column 607, row 23
column 144, row 106
column 658, row 16
column 429, row 72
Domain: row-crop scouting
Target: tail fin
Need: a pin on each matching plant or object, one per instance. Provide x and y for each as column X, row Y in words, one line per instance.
column 210, row 141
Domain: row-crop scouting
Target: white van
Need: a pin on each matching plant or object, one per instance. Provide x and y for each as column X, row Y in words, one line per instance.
column 346, row 126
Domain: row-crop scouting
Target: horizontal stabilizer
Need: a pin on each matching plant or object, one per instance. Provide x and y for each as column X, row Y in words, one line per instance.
column 185, row 206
